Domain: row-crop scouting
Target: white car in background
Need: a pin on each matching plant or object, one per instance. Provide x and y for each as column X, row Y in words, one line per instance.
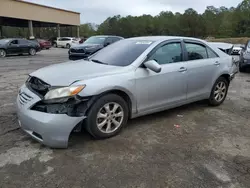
column 237, row 49
column 66, row 42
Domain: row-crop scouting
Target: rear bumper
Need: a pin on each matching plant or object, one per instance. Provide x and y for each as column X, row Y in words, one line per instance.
column 52, row 130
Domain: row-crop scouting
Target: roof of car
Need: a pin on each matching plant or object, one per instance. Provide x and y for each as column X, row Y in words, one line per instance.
column 106, row 36
column 158, row 38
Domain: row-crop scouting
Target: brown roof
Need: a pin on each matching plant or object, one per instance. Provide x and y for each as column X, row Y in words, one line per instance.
column 23, row 1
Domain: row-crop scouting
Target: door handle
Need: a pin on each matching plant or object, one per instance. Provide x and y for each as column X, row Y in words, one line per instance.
column 182, row 69
column 217, row 63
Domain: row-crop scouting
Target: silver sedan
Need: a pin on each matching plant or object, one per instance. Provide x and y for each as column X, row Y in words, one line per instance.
column 130, row 78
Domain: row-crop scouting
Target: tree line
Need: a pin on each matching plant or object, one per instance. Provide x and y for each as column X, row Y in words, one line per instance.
column 219, row 22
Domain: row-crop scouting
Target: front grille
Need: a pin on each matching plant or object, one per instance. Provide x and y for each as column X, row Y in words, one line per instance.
column 24, row 98
column 37, row 86
column 77, row 50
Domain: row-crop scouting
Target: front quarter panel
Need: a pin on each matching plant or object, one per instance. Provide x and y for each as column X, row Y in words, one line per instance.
column 124, row 82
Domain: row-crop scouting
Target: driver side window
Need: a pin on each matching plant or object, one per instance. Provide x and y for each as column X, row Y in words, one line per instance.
column 168, row 53
column 14, row 42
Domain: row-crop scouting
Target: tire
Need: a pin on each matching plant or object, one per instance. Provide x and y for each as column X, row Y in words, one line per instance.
column 32, row 51
column 55, row 45
column 241, row 69
column 68, row 46
column 99, row 107
column 220, row 89
column 2, row 53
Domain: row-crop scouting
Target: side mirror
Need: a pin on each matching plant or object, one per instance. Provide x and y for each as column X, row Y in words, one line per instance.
column 153, row 66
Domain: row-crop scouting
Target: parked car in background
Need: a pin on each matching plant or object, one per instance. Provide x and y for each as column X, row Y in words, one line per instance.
column 91, row 46
column 44, row 44
column 228, row 49
column 82, row 40
column 53, row 41
column 225, row 47
column 18, row 46
column 237, row 49
column 245, row 57
column 130, row 78
column 66, row 42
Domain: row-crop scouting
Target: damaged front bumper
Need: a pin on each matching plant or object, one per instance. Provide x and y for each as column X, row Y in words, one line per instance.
column 50, row 129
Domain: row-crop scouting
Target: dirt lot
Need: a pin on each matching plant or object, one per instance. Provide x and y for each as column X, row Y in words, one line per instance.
column 211, row 149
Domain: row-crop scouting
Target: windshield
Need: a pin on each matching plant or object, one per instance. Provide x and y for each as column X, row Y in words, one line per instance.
column 121, row 53
column 95, row 40
column 4, row 41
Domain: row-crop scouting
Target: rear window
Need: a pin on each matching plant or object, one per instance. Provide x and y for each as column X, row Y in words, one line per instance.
column 121, row 53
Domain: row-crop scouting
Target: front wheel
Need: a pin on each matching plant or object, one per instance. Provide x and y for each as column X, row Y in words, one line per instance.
column 219, row 92
column 32, row 51
column 107, row 116
column 2, row 53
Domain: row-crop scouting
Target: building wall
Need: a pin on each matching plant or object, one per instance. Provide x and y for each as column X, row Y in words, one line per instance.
column 30, row 11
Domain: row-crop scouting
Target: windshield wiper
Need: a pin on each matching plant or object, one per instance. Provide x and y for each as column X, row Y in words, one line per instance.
column 97, row 61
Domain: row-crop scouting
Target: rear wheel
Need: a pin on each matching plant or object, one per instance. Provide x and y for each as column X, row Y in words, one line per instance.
column 107, row 116
column 219, row 92
column 68, row 46
column 2, row 53
column 32, row 51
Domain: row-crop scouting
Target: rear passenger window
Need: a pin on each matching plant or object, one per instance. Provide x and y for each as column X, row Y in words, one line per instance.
column 196, row 51
column 211, row 54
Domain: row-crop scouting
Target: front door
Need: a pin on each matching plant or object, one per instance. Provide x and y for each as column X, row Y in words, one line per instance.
column 14, row 47
column 156, row 91
column 202, row 69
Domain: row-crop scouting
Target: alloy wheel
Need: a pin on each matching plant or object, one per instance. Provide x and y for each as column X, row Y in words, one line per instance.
column 220, row 91
column 32, row 51
column 110, row 117
column 2, row 53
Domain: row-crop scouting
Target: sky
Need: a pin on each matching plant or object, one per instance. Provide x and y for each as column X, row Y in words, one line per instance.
column 96, row 11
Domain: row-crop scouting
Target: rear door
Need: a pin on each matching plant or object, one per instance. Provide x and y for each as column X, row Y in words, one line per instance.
column 24, row 45
column 66, row 41
column 202, row 67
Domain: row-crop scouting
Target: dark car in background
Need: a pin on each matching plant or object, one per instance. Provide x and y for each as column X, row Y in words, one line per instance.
column 91, row 45
column 245, row 57
column 18, row 46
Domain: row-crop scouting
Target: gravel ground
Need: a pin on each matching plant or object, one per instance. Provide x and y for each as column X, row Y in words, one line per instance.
column 210, row 149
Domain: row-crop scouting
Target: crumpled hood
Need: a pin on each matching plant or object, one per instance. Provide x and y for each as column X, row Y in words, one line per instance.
column 65, row 74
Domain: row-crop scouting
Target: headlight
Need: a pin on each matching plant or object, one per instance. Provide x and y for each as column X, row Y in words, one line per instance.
column 63, row 92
